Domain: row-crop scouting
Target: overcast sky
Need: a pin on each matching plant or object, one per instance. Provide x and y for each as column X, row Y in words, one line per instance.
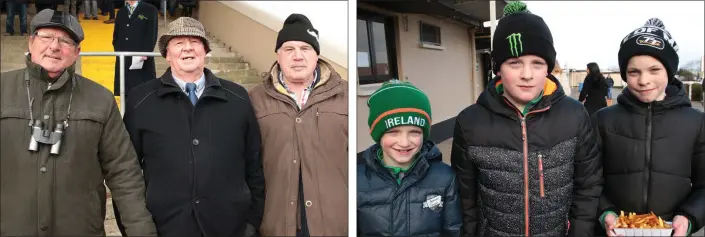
column 587, row 31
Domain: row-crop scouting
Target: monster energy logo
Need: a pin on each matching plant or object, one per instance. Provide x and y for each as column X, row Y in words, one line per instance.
column 513, row 40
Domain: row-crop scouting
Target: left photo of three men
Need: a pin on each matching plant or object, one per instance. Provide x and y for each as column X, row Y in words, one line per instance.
column 232, row 118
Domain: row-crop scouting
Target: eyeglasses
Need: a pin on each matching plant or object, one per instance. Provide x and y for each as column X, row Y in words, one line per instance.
column 49, row 38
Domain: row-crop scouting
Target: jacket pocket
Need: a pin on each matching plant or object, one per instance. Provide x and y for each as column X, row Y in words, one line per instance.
column 541, row 177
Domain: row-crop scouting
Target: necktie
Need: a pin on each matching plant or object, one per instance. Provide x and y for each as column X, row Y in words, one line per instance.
column 191, row 91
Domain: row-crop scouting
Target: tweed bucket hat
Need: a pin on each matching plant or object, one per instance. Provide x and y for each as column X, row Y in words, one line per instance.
column 184, row 26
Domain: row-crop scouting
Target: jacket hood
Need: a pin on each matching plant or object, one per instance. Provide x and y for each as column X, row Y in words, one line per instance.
column 675, row 98
column 495, row 102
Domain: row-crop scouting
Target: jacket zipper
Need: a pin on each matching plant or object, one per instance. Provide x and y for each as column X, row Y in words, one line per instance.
column 541, row 175
column 647, row 169
column 525, row 140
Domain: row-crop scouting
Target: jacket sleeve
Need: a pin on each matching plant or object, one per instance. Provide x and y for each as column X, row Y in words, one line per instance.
column 151, row 34
column 694, row 207
column 255, row 173
column 604, row 204
column 115, row 31
column 132, row 130
column 587, row 180
column 467, row 183
column 452, row 216
column 586, row 88
column 123, row 175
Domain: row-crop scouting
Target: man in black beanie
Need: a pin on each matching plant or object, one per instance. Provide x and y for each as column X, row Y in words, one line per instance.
column 653, row 141
column 525, row 154
column 302, row 109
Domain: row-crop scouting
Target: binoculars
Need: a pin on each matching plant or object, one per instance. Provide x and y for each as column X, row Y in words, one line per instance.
column 39, row 135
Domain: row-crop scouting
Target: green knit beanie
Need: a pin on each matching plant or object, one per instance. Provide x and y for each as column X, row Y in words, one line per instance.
column 398, row 103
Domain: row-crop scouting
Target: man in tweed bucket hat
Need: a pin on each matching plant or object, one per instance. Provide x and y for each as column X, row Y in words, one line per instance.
column 214, row 186
column 184, row 26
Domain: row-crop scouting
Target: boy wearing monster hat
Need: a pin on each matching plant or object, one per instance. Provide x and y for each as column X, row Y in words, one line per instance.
column 403, row 186
column 653, row 141
column 525, row 155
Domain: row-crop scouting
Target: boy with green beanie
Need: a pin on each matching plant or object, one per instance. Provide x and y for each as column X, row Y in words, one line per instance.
column 403, row 186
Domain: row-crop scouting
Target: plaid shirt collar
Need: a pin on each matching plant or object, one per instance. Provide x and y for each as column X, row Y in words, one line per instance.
column 300, row 102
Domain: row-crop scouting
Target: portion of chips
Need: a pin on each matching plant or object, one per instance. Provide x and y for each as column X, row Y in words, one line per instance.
column 644, row 221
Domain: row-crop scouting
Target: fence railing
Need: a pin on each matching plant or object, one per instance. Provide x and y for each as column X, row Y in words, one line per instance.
column 121, row 56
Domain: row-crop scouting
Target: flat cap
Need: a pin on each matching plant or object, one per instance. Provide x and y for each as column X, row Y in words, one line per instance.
column 58, row 19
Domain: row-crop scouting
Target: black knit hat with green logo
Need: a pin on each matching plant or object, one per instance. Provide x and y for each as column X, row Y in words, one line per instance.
column 398, row 103
column 521, row 33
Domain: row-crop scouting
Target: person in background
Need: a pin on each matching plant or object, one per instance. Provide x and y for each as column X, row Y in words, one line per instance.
column 70, row 7
column 594, row 93
column 90, row 7
column 610, row 85
column 525, row 155
column 135, row 31
column 302, row 109
column 653, row 141
column 109, row 7
column 405, row 166
column 19, row 8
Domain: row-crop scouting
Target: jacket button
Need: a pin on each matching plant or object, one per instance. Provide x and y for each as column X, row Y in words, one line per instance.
column 43, row 169
column 125, row 38
column 294, row 161
column 195, row 142
column 46, row 117
column 44, row 227
column 128, row 25
column 309, row 203
column 298, row 120
column 197, row 200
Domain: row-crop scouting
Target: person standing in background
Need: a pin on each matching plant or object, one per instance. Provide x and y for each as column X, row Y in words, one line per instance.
column 70, row 7
column 19, row 8
column 109, row 7
column 594, row 92
column 135, row 31
column 90, row 8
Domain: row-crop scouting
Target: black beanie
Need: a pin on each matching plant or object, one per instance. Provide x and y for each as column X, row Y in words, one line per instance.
column 521, row 33
column 297, row 27
column 652, row 39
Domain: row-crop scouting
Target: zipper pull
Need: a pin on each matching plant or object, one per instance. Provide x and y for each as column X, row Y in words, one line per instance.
column 48, row 87
column 541, row 176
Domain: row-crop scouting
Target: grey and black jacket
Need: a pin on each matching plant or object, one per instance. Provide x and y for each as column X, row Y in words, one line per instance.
column 534, row 173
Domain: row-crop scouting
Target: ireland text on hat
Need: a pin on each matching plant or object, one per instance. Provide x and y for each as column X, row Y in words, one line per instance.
column 405, row 120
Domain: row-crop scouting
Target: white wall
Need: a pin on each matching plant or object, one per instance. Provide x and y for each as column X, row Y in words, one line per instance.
column 325, row 16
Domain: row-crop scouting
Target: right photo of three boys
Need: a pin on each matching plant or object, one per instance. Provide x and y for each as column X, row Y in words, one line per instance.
column 526, row 159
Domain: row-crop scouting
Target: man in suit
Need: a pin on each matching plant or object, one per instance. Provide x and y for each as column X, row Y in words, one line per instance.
column 135, row 31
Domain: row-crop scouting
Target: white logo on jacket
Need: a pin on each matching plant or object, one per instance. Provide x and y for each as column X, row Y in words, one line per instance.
column 433, row 202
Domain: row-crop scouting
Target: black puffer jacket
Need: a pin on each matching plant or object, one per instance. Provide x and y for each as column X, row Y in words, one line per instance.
column 652, row 153
column 385, row 208
column 498, row 156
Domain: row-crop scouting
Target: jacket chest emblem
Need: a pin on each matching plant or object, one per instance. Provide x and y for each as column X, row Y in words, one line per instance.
column 433, row 202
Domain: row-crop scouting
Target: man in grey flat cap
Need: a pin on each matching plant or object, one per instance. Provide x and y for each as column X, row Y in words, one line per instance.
column 198, row 141
column 62, row 140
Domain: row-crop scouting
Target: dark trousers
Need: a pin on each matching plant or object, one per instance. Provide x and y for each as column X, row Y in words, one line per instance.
column 12, row 10
column 108, row 6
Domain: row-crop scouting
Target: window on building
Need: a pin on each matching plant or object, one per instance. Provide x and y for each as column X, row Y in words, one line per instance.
column 376, row 51
column 430, row 34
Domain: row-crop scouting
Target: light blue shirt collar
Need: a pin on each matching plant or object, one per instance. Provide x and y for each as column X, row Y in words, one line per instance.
column 200, row 84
